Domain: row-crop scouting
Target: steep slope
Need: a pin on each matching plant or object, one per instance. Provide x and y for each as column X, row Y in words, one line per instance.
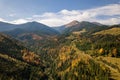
column 75, row 26
column 15, row 49
column 14, row 69
column 62, row 28
column 74, row 58
column 103, row 43
column 73, row 61
column 64, row 57
column 72, row 64
column 17, row 62
column 89, row 27
column 10, row 46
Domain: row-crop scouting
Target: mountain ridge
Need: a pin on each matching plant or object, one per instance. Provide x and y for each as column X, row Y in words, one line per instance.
column 38, row 29
column 76, row 25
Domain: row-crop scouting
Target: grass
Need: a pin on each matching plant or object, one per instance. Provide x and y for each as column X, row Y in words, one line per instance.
column 112, row 31
column 113, row 64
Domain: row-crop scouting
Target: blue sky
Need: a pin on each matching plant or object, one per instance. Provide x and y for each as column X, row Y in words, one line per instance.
column 59, row 12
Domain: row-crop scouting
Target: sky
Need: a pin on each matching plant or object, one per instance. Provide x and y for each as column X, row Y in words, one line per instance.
column 60, row 12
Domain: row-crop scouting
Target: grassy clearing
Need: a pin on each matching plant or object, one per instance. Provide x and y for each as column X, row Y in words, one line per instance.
column 112, row 31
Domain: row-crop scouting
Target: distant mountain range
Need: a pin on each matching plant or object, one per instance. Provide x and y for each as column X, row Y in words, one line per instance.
column 77, row 26
column 6, row 26
column 38, row 31
column 31, row 30
column 30, row 26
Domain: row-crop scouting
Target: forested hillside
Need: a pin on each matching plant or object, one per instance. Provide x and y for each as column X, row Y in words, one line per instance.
column 17, row 62
column 80, row 52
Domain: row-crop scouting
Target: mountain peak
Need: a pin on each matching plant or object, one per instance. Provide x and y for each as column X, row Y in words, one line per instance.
column 73, row 23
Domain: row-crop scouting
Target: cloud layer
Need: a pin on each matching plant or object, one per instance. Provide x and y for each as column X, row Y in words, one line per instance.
column 109, row 14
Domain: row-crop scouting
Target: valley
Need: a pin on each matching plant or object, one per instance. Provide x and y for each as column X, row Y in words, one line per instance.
column 74, row 51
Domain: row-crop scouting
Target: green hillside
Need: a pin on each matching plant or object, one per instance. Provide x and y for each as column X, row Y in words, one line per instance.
column 112, row 31
column 18, row 63
column 83, row 53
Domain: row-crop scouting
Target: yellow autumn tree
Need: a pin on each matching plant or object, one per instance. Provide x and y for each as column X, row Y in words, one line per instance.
column 101, row 51
column 114, row 52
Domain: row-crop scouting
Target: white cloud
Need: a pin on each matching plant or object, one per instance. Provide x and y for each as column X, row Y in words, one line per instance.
column 1, row 19
column 66, row 12
column 19, row 21
column 110, row 21
column 52, row 22
column 65, row 16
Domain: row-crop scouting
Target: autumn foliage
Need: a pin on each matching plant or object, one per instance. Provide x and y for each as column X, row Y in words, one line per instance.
column 30, row 57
